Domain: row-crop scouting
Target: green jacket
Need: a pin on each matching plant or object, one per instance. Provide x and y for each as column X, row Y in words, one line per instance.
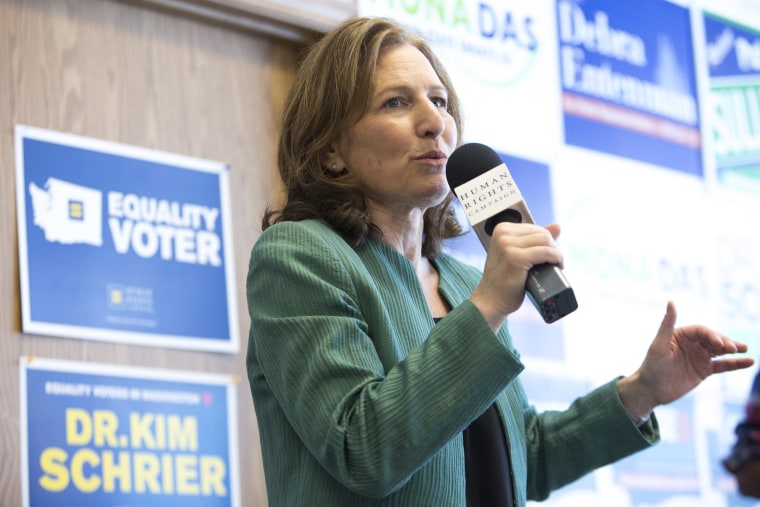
column 361, row 400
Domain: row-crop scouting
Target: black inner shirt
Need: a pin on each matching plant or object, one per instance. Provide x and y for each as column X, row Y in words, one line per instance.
column 486, row 462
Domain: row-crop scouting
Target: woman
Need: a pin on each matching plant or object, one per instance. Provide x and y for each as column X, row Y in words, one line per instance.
column 381, row 369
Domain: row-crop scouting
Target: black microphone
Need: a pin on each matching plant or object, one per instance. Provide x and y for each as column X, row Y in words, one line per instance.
column 488, row 195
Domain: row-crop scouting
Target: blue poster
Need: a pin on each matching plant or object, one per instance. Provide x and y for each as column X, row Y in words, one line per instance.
column 628, row 81
column 124, row 244
column 106, row 436
column 733, row 57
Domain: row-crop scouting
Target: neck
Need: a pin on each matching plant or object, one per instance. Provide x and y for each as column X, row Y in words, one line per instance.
column 404, row 234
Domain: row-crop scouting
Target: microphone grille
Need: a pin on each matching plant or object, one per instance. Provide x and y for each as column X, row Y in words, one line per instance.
column 470, row 161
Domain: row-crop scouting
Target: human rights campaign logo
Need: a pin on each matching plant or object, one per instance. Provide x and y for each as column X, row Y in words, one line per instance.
column 68, row 213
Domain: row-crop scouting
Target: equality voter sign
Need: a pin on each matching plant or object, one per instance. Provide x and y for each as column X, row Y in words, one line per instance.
column 733, row 56
column 124, row 244
column 628, row 81
column 107, row 436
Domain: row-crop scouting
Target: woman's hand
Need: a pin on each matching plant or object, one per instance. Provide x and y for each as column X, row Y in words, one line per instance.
column 513, row 250
column 678, row 360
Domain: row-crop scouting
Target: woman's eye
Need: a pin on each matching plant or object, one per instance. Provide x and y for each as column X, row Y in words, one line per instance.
column 439, row 102
column 394, row 102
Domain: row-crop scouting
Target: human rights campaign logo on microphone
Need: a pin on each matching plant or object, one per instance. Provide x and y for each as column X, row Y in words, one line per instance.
column 124, row 244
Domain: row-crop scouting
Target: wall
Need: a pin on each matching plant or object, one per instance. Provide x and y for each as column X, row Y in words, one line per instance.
column 138, row 74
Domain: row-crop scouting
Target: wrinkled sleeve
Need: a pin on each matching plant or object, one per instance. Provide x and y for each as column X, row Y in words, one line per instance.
column 593, row 432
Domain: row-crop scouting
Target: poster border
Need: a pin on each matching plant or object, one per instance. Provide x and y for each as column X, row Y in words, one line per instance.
column 230, row 345
column 229, row 381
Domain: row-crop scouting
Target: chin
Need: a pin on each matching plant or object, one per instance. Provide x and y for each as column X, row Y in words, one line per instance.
column 438, row 196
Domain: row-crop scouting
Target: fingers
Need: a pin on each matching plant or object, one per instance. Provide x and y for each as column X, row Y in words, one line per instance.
column 513, row 250
column 528, row 244
column 526, row 232
column 739, row 363
column 714, row 343
column 720, row 345
column 717, row 344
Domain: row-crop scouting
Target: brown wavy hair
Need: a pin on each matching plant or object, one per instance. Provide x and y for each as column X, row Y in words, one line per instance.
column 330, row 93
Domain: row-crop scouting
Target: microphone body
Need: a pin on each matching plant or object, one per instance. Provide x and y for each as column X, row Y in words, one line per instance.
column 484, row 187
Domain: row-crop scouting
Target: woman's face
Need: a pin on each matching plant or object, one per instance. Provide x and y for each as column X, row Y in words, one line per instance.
column 399, row 148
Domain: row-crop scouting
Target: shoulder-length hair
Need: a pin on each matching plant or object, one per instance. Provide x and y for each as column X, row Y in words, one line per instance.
column 330, row 93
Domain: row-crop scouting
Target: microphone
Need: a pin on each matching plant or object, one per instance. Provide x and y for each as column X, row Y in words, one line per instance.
column 488, row 195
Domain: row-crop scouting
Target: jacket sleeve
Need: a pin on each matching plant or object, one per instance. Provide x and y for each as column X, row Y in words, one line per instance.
column 553, row 448
column 593, row 432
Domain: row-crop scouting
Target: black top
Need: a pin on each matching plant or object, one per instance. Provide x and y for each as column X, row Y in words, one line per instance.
column 486, row 462
column 488, row 472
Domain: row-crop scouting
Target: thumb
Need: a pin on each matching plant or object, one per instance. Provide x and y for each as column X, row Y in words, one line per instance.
column 667, row 326
column 554, row 229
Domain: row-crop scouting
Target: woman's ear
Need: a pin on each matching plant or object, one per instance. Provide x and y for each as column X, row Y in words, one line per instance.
column 332, row 162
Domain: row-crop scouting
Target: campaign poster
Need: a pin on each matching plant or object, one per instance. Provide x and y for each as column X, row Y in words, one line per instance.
column 106, row 436
column 733, row 57
column 125, row 244
column 628, row 81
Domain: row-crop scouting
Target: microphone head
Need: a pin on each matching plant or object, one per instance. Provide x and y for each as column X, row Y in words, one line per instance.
column 470, row 161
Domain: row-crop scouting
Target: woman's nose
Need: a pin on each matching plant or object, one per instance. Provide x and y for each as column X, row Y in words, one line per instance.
column 431, row 122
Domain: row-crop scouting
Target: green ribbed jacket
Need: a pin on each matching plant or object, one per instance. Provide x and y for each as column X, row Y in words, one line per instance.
column 361, row 400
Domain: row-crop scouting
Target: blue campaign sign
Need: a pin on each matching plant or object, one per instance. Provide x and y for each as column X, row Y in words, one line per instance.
column 732, row 50
column 103, row 435
column 124, row 244
column 733, row 57
column 628, row 81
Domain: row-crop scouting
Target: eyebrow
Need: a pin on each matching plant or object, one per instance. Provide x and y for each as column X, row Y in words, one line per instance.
column 440, row 88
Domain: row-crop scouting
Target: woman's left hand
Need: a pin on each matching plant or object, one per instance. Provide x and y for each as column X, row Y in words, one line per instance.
column 677, row 361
